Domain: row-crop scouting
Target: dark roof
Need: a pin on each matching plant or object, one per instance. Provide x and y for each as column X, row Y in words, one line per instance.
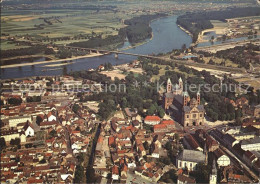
column 186, row 179
column 201, row 108
column 191, row 141
column 218, row 152
column 251, row 141
column 179, row 99
column 169, row 95
column 188, row 109
column 191, row 155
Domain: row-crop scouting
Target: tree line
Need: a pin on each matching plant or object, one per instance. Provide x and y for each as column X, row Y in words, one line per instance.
column 137, row 30
column 199, row 21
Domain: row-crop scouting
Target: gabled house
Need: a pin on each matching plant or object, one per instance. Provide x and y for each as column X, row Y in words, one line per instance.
column 29, row 130
column 115, row 173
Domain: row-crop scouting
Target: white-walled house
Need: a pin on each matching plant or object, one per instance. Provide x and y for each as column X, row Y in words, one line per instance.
column 51, row 117
column 152, row 120
column 189, row 159
column 28, row 130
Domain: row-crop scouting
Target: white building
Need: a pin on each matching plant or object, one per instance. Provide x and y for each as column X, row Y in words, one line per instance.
column 18, row 119
column 251, row 144
column 152, row 120
column 222, row 159
column 29, row 131
column 189, row 159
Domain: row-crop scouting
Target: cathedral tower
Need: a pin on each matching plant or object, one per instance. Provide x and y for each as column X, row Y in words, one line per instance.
column 198, row 97
column 169, row 86
column 186, row 98
column 180, row 84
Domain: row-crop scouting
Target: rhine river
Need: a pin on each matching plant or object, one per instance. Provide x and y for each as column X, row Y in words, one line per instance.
column 166, row 37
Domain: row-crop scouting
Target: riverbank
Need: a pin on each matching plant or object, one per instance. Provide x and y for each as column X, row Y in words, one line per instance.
column 185, row 30
column 166, row 36
column 51, row 61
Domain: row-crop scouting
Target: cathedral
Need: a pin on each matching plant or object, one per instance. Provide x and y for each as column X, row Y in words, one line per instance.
column 177, row 102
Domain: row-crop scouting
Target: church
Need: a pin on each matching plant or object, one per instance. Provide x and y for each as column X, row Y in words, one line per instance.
column 177, row 102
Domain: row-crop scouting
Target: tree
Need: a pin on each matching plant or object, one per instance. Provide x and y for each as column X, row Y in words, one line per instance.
column 151, row 110
column 15, row 101
column 15, row 141
column 183, row 47
column 2, row 143
column 201, row 173
column 49, row 51
column 168, row 146
column 53, row 133
column 176, row 137
column 39, row 120
column 80, row 158
column 79, row 174
column 75, row 108
column 146, row 145
column 161, row 112
column 65, row 70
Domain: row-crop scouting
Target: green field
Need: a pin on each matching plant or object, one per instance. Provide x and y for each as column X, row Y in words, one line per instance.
column 77, row 25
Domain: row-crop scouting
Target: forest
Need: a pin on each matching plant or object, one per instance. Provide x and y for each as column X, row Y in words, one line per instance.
column 197, row 22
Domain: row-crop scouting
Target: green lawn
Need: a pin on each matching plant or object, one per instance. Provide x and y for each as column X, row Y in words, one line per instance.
column 162, row 72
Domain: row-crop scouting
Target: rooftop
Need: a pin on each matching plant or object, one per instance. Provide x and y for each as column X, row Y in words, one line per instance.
column 191, row 155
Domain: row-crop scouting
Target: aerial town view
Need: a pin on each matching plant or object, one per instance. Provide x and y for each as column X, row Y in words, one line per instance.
column 130, row 91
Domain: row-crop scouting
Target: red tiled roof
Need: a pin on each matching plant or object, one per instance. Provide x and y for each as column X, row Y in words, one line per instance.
column 34, row 180
column 100, row 139
column 152, row 118
column 46, row 123
column 115, row 170
column 168, row 122
column 159, row 126
column 111, row 140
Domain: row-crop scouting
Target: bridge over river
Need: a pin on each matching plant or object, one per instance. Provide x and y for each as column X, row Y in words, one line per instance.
column 117, row 52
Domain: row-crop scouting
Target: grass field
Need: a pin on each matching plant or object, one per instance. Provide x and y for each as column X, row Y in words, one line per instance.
column 163, row 70
column 250, row 81
column 77, row 24
column 6, row 45
column 219, row 60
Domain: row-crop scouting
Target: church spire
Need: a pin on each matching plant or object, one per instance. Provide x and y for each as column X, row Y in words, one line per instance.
column 214, row 173
column 198, row 97
column 180, row 83
column 214, row 168
column 169, row 86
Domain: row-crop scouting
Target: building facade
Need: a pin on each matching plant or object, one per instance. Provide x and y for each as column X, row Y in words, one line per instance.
column 178, row 103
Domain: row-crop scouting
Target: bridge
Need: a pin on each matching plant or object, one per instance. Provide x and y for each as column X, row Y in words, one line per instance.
column 117, row 52
column 100, row 51
column 178, row 61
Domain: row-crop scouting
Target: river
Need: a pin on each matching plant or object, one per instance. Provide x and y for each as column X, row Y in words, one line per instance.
column 166, row 37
